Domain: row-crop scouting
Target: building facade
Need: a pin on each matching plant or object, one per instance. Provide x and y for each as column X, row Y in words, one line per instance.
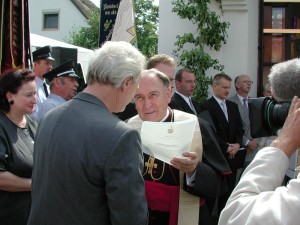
column 56, row 18
column 255, row 40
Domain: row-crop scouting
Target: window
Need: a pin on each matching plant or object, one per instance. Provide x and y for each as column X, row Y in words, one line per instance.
column 50, row 21
column 279, row 34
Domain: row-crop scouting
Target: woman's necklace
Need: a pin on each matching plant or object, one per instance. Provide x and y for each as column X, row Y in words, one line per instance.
column 19, row 122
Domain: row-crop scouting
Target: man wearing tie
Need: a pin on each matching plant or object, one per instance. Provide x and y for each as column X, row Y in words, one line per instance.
column 185, row 82
column 42, row 63
column 229, row 128
column 243, row 87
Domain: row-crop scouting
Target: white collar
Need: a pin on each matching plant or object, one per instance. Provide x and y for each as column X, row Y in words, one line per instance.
column 186, row 98
column 219, row 100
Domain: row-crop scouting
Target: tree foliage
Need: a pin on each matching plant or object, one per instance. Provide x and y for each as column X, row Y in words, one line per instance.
column 146, row 19
column 211, row 32
column 87, row 37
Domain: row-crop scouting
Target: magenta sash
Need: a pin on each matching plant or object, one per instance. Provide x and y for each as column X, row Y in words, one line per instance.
column 162, row 197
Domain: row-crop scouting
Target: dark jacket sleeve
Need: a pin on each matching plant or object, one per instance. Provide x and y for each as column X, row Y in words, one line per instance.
column 4, row 151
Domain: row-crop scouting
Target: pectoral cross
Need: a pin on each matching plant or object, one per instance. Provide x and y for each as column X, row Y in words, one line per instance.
column 150, row 165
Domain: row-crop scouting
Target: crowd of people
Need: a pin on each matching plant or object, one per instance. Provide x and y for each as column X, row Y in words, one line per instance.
column 68, row 158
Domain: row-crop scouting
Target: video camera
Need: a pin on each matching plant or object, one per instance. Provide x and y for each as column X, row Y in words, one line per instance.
column 268, row 116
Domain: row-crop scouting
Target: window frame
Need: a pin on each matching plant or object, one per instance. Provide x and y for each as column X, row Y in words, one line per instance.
column 50, row 12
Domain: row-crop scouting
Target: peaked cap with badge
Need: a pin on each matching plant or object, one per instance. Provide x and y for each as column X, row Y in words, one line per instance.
column 43, row 53
column 66, row 69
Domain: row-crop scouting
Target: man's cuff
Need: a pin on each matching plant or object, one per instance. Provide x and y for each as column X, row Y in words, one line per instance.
column 247, row 142
column 190, row 180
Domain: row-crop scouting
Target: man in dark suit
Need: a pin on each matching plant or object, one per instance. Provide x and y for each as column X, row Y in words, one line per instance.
column 185, row 82
column 229, row 128
column 87, row 162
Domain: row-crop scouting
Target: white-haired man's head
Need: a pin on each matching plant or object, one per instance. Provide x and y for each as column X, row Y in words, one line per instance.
column 285, row 80
column 114, row 62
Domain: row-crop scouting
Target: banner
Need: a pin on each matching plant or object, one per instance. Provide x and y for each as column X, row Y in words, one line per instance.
column 14, row 32
column 116, row 21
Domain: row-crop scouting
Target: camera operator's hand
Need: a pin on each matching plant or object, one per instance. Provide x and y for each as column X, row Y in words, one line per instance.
column 252, row 145
column 289, row 140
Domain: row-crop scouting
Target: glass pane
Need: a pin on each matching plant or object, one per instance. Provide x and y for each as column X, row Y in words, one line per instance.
column 295, row 46
column 267, row 17
column 274, row 48
column 266, row 72
column 278, row 18
column 295, row 38
column 278, row 49
column 50, row 21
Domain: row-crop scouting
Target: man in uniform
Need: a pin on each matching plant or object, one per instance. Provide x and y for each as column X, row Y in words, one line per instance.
column 42, row 63
column 63, row 87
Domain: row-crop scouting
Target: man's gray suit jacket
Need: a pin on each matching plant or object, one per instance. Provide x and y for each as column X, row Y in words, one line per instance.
column 245, row 119
column 87, row 168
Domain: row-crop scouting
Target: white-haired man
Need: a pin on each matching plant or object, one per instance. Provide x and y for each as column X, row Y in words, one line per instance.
column 88, row 163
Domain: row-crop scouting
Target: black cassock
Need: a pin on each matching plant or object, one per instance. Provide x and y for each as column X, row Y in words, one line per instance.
column 210, row 181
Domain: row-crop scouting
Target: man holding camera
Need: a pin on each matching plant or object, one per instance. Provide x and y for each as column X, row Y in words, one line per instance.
column 259, row 197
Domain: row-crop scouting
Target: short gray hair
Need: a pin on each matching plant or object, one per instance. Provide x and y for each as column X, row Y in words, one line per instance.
column 160, row 75
column 285, row 80
column 114, row 62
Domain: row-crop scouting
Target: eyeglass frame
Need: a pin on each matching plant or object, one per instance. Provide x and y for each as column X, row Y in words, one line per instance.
column 246, row 81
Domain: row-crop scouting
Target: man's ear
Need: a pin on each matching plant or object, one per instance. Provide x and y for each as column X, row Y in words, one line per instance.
column 56, row 81
column 126, row 83
column 177, row 82
column 169, row 94
column 9, row 96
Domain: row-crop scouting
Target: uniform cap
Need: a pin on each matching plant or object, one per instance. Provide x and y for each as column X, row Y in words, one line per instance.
column 66, row 69
column 43, row 53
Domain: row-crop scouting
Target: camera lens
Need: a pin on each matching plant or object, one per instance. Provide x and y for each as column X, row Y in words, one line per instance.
column 267, row 116
column 275, row 114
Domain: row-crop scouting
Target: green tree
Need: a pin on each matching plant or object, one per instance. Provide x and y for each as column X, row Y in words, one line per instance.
column 146, row 19
column 211, row 33
column 86, row 37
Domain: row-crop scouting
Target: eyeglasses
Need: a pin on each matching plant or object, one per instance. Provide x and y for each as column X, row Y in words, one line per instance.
column 246, row 81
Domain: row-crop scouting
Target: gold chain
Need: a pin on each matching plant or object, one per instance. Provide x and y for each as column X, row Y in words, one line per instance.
column 150, row 164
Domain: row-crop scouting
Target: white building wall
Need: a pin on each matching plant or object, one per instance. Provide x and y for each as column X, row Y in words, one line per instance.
column 69, row 16
column 239, row 55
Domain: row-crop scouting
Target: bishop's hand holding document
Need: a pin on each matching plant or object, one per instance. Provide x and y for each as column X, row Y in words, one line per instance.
column 167, row 140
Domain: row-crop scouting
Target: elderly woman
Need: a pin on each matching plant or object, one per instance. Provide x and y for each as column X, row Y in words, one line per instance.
column 17, row 131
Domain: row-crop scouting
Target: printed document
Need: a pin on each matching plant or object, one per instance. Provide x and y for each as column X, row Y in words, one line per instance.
column 166, row 140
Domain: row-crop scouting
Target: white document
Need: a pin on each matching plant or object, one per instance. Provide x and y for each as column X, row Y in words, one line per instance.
column 166, row 140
